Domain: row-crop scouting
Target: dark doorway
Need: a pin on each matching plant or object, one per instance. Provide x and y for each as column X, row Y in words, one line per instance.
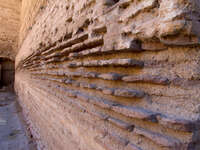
column 7, row 72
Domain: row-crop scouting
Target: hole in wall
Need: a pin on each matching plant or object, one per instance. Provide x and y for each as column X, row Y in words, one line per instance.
column 116, row 1
column 7, row 72
column 110, row 2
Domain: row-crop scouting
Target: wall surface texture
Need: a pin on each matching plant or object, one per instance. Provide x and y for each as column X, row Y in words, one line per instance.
column 110, row 74
column 9, row 27
column 29, row 10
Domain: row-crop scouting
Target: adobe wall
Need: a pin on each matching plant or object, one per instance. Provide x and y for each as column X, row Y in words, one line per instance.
column 9, row 27
column 109, row 75
column 29, row 10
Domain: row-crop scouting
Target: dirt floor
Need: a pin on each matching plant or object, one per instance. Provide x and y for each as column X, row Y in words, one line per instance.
column 13, row 130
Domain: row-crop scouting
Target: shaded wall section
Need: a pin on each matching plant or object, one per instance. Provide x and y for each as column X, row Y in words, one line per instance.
column 112, row 75
column 7, row 72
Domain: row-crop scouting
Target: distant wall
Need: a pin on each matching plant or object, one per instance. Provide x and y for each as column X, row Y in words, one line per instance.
column 7, row 72
column 29, row 11
column 111, row 75
column 9, row 27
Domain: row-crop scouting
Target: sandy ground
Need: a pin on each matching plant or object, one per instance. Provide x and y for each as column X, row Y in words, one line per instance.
column 13, row 133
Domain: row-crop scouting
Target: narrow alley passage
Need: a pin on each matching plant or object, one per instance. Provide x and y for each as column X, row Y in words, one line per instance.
column 13, row 131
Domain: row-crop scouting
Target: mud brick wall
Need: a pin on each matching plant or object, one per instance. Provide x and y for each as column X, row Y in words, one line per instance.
column 112, row 75
column 29, row 11
column 9, row 27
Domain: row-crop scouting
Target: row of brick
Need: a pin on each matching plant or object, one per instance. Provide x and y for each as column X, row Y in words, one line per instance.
column 178, row 124
column 144, row 78
column 160, row 139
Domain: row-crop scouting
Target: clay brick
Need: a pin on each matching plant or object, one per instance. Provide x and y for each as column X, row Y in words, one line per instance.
column 111, row 62
column 131, row 146
column 88, row 85
column 74, row 40
column 69, row 81
column 71, row 93
column 90, row 63
column 54, row 59
column 52, row 72
column 83, row 97
column 99, row 115
column 108, row 91
column 94, row 51
column 99, row 141
column 102, row 102
column 159, row 139
column 135, row 112
column 111, row 141
column 100, row 88
column 117, row 139
column 90, row 74
column 91, row 43
column 177, row 123
column 147, row 78
column 83, row 53
column 77, row 47
column 73, row 74
column 108, row 2
column 122, row 62
column 76, row 84
column 129, row 45
column 60, row 73
column 73, row 55
column 121, row 124
column 129, row 93
column 56, row 54
column 99, row 29
column 124, row 3
column 110, row 76
column 75, row 64
column 153, row 46
column 141, row 6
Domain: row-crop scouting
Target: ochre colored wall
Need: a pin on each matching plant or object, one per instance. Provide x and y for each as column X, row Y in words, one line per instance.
column 9, row 27
column 29, row 11
column 108, row 75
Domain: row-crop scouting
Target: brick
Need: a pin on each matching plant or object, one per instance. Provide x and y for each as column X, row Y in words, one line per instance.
column 110, row 62
column 135, row 112
column 131, row 146
column 177, row 123
column 160, row 139
column 100, row 115
column 147, row 78
column 117, row 139
column 90, row 74
column 108, row 91
column 129, row 45
column 102, row 102
column 99, row 29
column 121, row 124
column 83, row 97
column 110, row 76
column 139, row 8
column 94, row 42
column 129, row 93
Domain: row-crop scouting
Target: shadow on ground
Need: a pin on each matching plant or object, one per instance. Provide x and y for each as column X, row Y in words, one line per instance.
column 13, row 130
